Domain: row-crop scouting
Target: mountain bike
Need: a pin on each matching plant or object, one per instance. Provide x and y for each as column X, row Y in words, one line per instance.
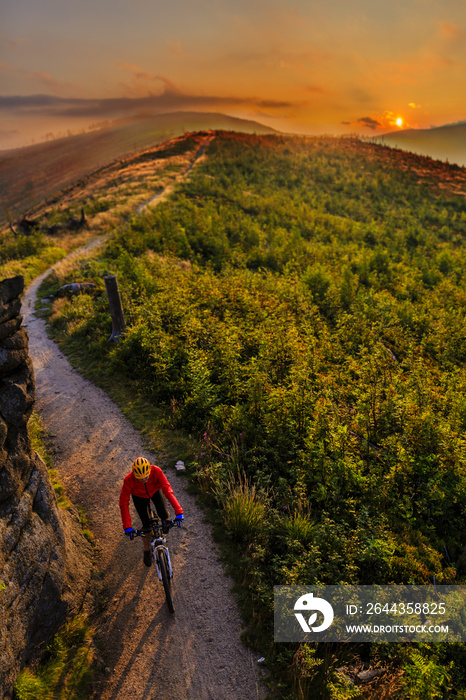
column 160, row 552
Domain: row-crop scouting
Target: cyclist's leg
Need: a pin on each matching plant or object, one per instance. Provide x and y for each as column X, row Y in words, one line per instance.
column 160, row 505
column 142, row 508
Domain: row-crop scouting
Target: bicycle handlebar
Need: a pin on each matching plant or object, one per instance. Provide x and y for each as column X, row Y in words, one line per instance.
column 148, row 530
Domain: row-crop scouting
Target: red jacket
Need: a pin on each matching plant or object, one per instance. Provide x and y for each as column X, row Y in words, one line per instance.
column 131, row 485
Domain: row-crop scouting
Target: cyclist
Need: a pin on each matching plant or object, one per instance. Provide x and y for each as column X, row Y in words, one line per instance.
column 145, row 483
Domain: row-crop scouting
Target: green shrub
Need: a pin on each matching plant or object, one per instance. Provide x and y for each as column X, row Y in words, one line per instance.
column 425, row 678
column 244, row 511
column 66, row 672
column 299, row 527
column 30, row 687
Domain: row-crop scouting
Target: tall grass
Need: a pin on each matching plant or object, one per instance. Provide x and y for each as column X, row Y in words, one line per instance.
column 244, row 509
column 299, row 527
column 66, row 672
column 40, row 442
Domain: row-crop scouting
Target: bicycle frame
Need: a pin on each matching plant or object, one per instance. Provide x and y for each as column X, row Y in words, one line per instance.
column 160, row 553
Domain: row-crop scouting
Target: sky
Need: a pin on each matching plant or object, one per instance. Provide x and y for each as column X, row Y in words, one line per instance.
column 305, row 67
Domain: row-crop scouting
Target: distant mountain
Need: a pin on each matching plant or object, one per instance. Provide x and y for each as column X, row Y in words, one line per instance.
column 30, row 174
column 441, row 143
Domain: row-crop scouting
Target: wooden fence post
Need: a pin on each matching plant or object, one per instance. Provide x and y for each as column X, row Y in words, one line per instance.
column 116, row 310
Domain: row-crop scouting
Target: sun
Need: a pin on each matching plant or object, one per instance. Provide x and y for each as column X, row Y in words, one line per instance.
column 399, row 121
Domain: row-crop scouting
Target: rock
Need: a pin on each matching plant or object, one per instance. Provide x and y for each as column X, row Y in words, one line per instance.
column 10, row 485
column 7, row 329
column 11, row 289
column 76, row 288
column 369, row 675
column 45, row 561
column 18, row 341
column 17, row 394
column 11, row 359
column 10, row 311
column 3, row 432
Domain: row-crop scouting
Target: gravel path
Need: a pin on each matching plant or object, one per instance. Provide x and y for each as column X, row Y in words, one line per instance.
column 195, row 654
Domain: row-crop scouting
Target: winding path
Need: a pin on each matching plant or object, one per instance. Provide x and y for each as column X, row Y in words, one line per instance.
column 195, row 654
column 163, row 194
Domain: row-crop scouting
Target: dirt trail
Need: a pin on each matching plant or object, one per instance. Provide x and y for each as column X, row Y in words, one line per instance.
column 160, row 196
column 195, row 654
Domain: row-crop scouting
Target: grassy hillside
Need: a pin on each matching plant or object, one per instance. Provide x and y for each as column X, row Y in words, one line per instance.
column 108, row 196
column 298, row 309
column 446, row 143
column 28, row 175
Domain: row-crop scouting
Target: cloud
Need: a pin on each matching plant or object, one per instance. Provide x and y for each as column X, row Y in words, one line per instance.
column 387, row 121
column 369, row 122
column 271, row 58
column 361, row 96
column 176, row 48
column 37, row 76
column 314, row 89
column 414, row 71
column 32, row 105
column 7, row 133
column 450, row 31
column 12, row 43
column 143, row 83
column 135, row 71
column 171, row 99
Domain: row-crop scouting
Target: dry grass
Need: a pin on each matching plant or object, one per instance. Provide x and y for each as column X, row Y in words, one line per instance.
column 108, row 196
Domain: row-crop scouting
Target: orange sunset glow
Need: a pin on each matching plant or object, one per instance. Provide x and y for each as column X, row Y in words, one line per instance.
column 307, row 67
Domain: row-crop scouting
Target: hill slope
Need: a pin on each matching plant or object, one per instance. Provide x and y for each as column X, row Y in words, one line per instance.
column 28, row 175
column 442, row 143
column 297, row 308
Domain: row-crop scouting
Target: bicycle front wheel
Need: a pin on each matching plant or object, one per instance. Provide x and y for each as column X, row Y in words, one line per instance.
column 165, row 573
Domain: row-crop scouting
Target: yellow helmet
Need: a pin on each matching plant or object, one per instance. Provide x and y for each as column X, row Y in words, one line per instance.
column 141, row 468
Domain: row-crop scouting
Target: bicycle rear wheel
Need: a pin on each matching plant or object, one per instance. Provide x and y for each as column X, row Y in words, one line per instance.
column 165, row 573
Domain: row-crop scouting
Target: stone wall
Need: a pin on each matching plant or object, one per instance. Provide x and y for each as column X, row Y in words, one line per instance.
column 45, row 562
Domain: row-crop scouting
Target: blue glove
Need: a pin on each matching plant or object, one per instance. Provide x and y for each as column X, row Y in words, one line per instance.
column 130, row 531
column 178, row 519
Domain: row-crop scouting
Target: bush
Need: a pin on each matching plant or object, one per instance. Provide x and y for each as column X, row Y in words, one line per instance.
column 66, row 673
column 244, row 511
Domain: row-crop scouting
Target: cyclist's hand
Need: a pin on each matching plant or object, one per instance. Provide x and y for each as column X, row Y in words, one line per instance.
column 178, row 519
column 130, row 531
